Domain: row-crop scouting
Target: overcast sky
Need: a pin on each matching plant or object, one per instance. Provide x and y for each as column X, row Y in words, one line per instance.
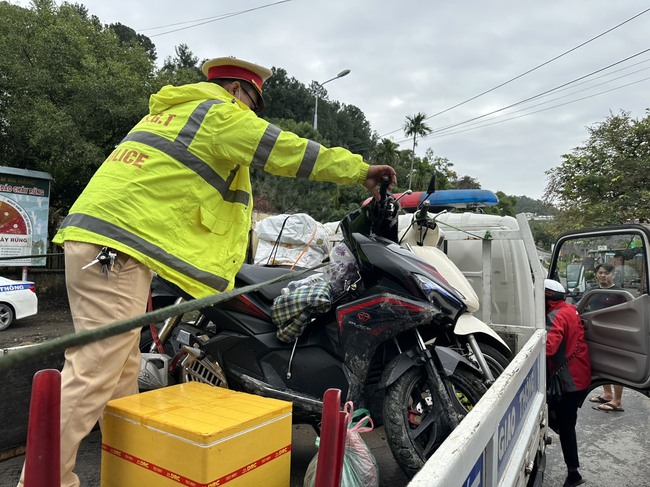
column 427, row 56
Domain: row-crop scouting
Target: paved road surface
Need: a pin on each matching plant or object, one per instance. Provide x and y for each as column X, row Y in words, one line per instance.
column 303, row 450
column 614, row 451
column 614, row 447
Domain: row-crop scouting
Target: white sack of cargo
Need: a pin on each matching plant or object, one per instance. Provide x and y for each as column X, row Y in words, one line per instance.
column 291, row 240
column 334, row 234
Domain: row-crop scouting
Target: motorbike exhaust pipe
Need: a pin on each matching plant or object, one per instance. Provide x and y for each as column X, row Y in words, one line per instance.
column 169, row 324
column 257, row 387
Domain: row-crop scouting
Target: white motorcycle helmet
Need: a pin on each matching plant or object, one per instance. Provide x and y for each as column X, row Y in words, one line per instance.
column 553, row 290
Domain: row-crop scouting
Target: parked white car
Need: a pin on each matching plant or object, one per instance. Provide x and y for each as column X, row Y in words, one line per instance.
column 17, row 300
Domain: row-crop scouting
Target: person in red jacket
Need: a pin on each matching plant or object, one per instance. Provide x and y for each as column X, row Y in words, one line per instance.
column 568, row 355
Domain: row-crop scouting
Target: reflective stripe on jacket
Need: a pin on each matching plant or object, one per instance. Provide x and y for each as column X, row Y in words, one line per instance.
column 176, row 192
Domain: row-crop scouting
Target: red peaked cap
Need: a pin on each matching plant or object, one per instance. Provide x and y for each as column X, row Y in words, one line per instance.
column 230, row 67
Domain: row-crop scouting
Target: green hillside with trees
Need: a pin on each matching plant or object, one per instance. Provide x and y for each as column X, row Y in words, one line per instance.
column 72, row 87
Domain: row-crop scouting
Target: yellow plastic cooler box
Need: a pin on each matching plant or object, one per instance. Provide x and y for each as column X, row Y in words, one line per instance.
column 197, row 435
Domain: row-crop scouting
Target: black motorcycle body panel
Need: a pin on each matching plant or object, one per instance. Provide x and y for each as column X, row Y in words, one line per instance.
column 338, row 347
column 385, row 258
column 347, row 347
column 316, row 364
column 383, row 319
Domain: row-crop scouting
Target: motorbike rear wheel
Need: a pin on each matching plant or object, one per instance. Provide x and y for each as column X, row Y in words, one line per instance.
column 412, row 431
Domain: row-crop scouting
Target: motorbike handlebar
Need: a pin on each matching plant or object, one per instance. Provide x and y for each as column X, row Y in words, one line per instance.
column 423, row 211
column 383, row 188
column 383, row 211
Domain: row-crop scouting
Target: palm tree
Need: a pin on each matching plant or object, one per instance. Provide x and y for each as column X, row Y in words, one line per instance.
column 415, row 126
column 387, row 152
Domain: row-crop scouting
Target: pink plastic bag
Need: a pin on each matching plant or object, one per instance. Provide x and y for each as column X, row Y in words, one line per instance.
column 360, row 467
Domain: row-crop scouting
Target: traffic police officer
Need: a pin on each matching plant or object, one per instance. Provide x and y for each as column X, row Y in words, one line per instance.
column 174, row 197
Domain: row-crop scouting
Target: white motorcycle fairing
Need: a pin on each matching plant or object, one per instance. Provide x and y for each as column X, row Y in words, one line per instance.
column 468, row 324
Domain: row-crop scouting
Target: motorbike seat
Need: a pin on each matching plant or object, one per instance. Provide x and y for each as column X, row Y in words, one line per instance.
column 254, row 274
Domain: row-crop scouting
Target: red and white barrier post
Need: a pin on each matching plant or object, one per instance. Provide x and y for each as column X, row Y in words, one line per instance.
column 43, row 455
column 334, row 424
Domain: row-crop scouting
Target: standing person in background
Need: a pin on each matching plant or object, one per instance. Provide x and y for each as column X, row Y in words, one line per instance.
column 611, row 398
column 174, row 197
column 567, row 355
column 617, row 270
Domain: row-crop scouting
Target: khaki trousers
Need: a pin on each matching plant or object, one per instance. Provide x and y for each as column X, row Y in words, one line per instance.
column 94, row 374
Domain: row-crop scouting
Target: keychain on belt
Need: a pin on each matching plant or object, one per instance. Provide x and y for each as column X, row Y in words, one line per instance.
column 105, row 257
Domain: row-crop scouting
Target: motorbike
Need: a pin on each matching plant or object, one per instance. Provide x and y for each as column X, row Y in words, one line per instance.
column 470, row 337
column 379, row 342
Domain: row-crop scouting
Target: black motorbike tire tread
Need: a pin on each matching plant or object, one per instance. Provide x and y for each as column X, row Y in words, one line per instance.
column 397, row 395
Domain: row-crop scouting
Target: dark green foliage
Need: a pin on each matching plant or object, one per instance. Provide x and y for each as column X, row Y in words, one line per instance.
column 71, row 88
column 505, row 207
column 536, row 207
column 130, row 37
column 386, row 152
column 607, row 180
column 287, row 98
column 69, row 91
column 182, row 69
column 545, row 233
column 415, row 126
column 290, row 106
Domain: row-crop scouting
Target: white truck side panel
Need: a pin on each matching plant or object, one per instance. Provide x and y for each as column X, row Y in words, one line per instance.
column 497, row 443
column 497, row 255
column 501, row 434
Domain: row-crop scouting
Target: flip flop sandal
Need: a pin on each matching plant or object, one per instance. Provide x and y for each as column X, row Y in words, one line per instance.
column 608, row 408
column 599, row 399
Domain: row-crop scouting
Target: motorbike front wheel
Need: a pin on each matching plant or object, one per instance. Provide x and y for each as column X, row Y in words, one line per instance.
column 413, row 431
column 494, row 359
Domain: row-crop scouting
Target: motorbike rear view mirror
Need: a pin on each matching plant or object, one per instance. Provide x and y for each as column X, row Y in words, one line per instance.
column 432, row 185
column 405, row 193
column 425, row 201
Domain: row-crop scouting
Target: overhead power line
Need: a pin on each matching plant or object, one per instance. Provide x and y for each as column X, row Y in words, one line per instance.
column 539, row 94
column 606, row 75
column 207, row 20
column 444, row 131
column 478, row 123
column 444, row 134
column 540, row 65
column 529, row 71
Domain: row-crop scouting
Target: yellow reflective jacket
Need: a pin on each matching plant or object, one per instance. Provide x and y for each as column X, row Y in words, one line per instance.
column 176, row 195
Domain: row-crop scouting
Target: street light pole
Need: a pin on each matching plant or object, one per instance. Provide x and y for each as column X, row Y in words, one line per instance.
column 345, row 72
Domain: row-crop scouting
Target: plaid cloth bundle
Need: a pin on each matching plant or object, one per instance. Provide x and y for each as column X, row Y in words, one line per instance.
column 292, row 312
